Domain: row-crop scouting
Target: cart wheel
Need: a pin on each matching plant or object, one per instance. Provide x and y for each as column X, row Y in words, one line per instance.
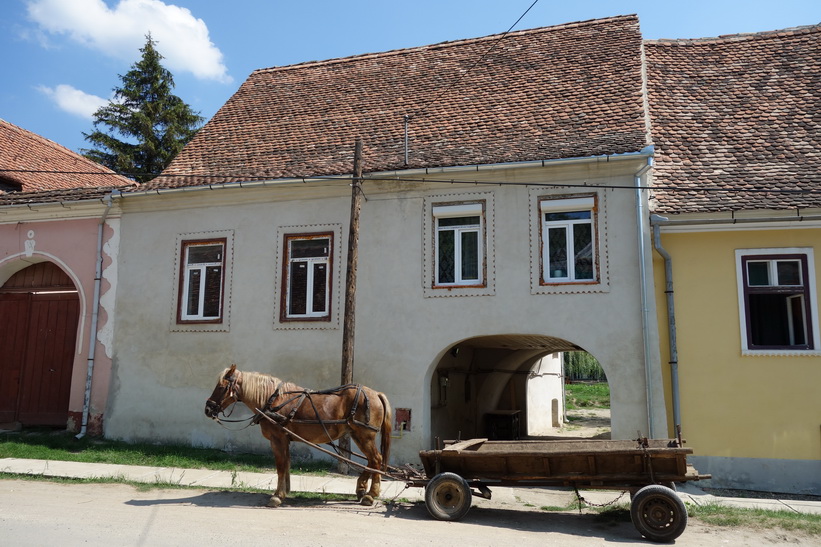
column 448, row 497
column 658, row 513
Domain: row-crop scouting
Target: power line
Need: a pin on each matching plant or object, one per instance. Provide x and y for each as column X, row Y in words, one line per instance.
column 479, row 60
column 333, row 180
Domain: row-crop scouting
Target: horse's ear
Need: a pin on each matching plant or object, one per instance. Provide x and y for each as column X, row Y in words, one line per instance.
column 232, row 370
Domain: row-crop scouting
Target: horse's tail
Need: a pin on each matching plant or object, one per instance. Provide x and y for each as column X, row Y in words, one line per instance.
column 386, row 430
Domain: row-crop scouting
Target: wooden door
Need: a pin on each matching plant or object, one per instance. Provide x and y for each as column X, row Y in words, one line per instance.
column 38, row 331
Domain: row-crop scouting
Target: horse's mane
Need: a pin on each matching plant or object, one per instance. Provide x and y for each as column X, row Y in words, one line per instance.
column 257, row 387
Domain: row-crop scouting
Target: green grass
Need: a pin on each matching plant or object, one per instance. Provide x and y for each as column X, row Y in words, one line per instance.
column 63, row 446
column 716, row 514
column 578, row 396
column 721, row 515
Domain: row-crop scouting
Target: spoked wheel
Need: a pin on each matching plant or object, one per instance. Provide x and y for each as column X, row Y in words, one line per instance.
column 658, row 513
column 448, row 497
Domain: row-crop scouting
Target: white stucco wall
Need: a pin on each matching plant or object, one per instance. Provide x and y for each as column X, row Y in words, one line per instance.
column 162, row 375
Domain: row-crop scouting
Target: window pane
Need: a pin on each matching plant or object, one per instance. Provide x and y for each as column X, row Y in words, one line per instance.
column 789, row 272
column 310, row 248
column 459, row 221
column 193, row 304
column 446, row 254
column 470, row 255
column 320, row 287
column 557, row 252
column 583, row 251
column 569, row 215
column 758, row 274
column 298, row 288
column 769, row 320
column 213, row 292
column 798, row 329
column 199, row 254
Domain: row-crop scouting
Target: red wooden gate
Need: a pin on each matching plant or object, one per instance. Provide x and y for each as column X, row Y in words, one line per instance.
column 38, row 331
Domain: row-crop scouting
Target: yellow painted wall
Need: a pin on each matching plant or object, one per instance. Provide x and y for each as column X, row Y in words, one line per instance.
column 734, row 405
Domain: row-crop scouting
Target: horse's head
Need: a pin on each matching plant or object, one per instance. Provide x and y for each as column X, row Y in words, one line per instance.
column 224, row 394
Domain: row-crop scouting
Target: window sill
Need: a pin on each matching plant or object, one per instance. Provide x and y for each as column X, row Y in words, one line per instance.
column 780, row 353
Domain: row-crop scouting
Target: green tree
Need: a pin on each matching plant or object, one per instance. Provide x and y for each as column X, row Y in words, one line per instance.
column 154, row 123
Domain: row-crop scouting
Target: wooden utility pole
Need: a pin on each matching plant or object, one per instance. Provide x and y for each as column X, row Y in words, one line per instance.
column 353, row 256
column 349, row 321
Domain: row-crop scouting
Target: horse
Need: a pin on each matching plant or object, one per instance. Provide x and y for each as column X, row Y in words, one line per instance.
column 314, row 416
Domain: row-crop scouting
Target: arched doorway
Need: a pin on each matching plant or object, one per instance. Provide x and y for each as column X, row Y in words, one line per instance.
column 480, row 388
column 39, row 311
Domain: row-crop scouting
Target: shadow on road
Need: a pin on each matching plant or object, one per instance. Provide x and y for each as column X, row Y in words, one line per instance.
column 613, row 526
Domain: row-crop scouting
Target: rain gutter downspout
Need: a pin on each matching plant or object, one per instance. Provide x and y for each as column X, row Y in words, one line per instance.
column 95, row 306
column 640, row 222
column 671, row 316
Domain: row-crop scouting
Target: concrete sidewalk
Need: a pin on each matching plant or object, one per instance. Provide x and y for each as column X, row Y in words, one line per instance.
column 340, row 484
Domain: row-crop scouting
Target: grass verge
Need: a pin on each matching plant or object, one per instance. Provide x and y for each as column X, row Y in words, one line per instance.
column 717, row 514
column 64, row 446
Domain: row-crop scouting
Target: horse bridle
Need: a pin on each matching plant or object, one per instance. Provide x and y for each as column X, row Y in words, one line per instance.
column 229, row 392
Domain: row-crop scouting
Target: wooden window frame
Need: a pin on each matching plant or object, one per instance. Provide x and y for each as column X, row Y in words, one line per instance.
column 185, row 319
column 455, row 210
column 800, row 290
column 284, row 315
column 568, row 204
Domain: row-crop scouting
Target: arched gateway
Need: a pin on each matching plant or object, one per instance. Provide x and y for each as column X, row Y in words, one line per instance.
column 39, row 311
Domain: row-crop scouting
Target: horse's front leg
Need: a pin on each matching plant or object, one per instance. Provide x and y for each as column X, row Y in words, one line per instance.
column 282, row 459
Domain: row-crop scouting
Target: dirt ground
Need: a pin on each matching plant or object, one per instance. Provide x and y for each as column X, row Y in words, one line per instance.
column 48, row 513
column 589, row 423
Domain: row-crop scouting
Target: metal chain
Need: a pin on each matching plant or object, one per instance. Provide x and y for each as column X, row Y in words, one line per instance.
column 581, row 500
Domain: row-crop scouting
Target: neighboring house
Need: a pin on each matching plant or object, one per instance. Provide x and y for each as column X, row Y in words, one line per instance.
column 58, row 238
column 735, row 122
column 501, row 223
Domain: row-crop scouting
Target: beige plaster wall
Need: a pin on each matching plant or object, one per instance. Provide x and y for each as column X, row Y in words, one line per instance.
column 162, row 376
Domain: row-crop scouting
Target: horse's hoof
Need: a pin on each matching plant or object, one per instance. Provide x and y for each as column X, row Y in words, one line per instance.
column 366, row 500
column 274, row 502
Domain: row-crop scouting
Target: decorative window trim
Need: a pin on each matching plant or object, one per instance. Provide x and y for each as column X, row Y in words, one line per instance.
column 540, row 202
column 335, row 287
column 743, row 256
column 205, row 325
column 451, row 205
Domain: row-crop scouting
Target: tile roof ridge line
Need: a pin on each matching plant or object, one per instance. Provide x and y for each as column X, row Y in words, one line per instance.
column 440, row 45
column 741, row 36
column 57, row 147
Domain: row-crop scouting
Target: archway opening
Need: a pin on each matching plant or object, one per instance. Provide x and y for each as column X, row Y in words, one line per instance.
column 505, row 387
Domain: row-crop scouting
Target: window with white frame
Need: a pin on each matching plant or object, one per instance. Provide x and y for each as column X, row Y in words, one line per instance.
column 459, row 237
column 202, row 279
column 778, row 311
column 569, row 248
column 307, row 277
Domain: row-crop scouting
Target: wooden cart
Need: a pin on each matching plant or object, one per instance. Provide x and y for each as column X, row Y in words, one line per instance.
column 647, row 468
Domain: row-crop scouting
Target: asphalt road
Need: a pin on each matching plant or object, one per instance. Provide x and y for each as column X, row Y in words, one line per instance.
column 48, row 513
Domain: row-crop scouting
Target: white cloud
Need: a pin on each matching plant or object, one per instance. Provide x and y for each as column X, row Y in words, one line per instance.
column 120, row 32
column 74, row 101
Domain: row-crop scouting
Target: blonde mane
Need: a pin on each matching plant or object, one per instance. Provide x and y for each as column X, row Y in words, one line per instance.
column 256, row 388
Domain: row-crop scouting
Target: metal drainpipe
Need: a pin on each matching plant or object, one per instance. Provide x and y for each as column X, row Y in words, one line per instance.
column 643, row 277
column 671, row 316
column 92, row 337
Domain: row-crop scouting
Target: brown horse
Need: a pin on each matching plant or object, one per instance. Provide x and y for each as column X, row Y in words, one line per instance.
column 316, row 416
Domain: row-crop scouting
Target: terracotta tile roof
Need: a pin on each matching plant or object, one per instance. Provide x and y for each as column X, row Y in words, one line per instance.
column 31, row 163
column 58, row 196
column 565, row 91
column 740, row 113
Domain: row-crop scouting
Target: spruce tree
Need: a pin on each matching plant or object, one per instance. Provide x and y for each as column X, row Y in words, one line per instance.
column 154, row 122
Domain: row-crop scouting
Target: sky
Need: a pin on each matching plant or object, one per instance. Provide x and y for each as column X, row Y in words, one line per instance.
column 61, row 59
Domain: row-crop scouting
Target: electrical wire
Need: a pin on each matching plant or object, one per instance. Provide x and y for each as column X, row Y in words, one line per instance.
column 495, row 43
column 334, row 180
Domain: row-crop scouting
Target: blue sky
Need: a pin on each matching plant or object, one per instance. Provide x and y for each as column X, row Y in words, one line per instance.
column 61, row 59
